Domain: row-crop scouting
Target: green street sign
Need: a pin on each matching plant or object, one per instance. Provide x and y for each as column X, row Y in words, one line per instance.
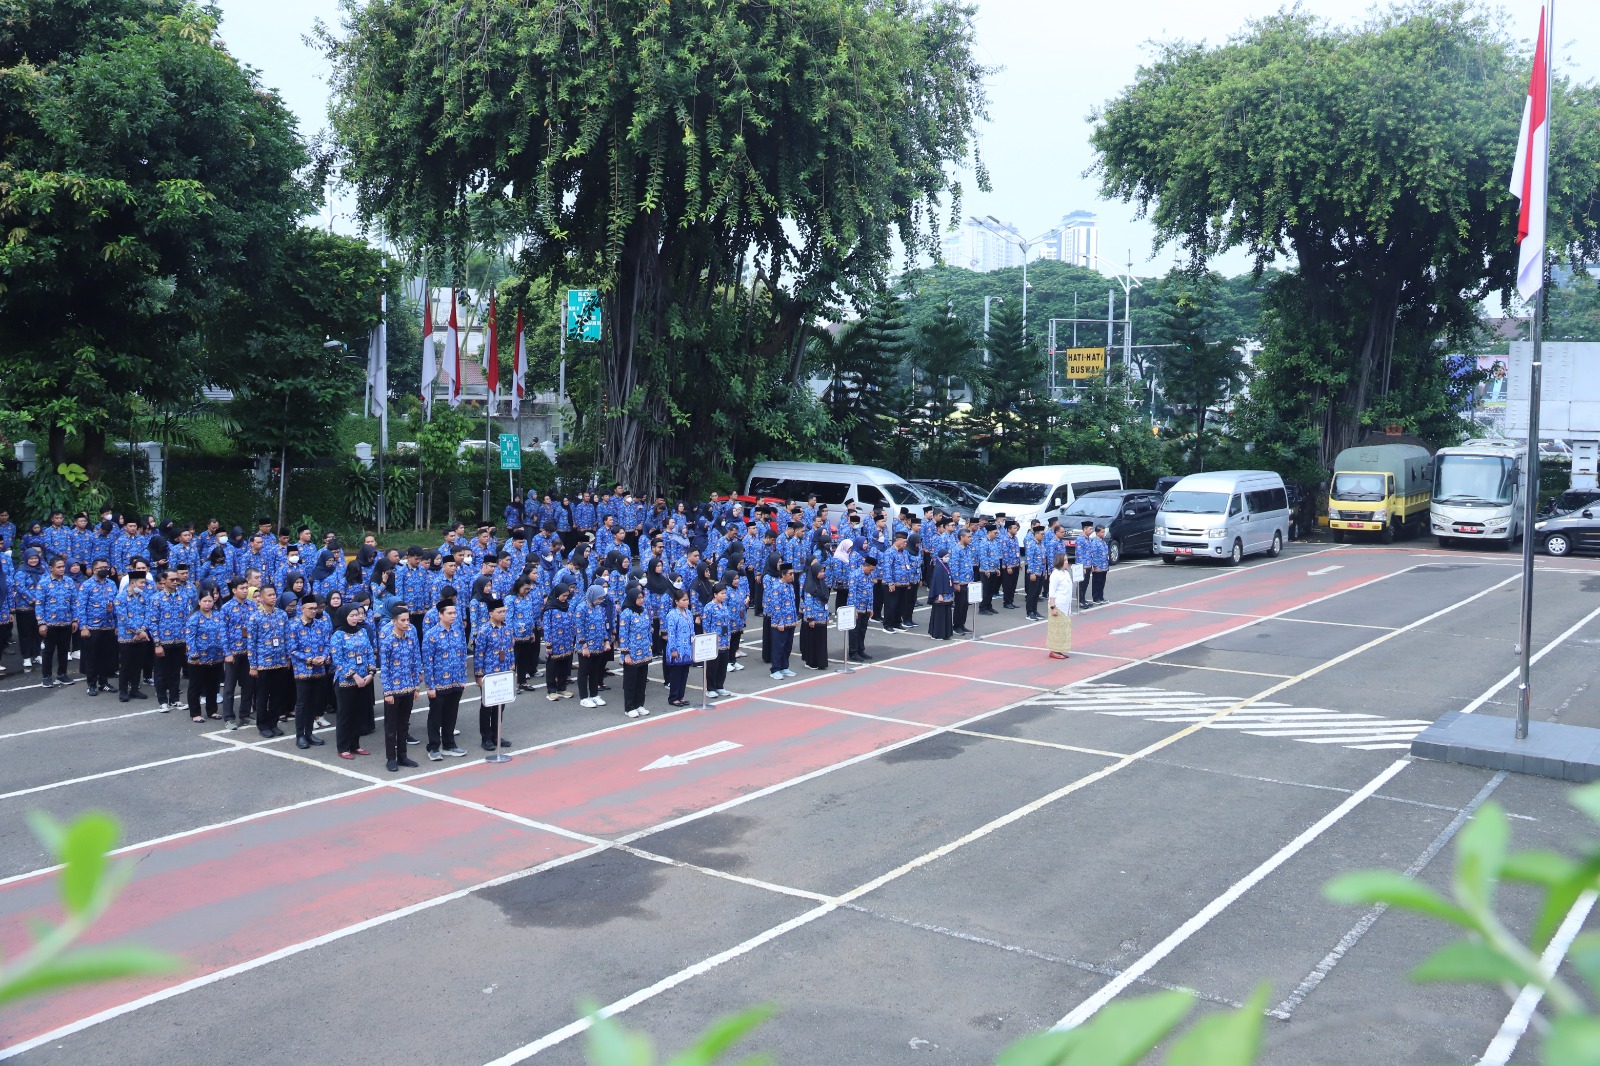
column 510, row 451
column 583, row 314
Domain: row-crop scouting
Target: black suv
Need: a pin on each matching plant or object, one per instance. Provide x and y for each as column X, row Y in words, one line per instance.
column 1129, row 516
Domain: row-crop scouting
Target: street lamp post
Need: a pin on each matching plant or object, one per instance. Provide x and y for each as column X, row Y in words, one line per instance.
column 1128, row 283
column 998, row 228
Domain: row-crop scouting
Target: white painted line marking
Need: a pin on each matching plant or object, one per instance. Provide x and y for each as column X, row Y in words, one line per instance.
column 1359, row 930
column 1130, row 628
column 113, row 773
column 69, row 725
column 1505, row 1041
column 690, row 756
column 1324, row 570
column 1540, row 654
column 1089, row 1007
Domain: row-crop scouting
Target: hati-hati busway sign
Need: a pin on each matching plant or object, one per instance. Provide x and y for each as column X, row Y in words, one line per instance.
column 1085, row 362
column 510, row 451
column 583, row 314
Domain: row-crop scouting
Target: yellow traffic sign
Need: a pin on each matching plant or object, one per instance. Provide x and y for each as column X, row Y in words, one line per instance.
column 1085, row 362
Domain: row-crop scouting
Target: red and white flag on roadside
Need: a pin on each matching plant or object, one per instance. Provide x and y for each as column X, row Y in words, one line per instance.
column 519, row 370
column 430, row 357
column 1528, row 172
column 491, row 357
column 452, row 354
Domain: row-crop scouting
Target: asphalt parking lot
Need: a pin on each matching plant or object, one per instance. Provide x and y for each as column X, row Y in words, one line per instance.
column 917, row 862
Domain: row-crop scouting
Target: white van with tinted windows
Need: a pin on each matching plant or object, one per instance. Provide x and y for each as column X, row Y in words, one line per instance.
column 1043, row 492
column 1225, row 514
column 834, row 483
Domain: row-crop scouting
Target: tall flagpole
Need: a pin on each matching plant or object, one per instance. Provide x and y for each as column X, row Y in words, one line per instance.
column 1530, row 498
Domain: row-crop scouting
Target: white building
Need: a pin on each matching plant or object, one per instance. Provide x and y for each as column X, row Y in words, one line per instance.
column 1076, row 240
column 977, row 247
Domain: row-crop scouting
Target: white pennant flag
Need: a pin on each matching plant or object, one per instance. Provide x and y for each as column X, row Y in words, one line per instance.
column 452, row 354
column 519, row 371
column 378, row 360
column 430, row 356
column 1528, row 172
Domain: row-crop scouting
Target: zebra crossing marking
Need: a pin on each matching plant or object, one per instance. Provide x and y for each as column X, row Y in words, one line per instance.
column 1264, row 718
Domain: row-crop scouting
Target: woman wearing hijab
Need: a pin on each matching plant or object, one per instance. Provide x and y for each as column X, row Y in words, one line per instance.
column 353, row 666
column 294, row 590
column 738, row 611
column 836, row 572
column 560, row 637
column 524, row 608
column 814, row 619
column 770, row 577
column 941, row 598
column 635, row 635
column 353, row 578
column 590, row 623
column 1058, row 631
column 24, row 585
column 700, row 593
column 657, row 602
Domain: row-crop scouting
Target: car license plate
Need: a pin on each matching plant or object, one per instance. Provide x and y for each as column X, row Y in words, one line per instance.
column 1469, row 529
column 1183, row 551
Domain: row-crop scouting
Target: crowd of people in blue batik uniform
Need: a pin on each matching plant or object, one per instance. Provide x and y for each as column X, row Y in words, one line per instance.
column 279, row 628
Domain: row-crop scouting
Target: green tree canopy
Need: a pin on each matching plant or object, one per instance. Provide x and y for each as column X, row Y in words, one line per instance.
column 143, row 175
column 723, row 173
column 1376, row 157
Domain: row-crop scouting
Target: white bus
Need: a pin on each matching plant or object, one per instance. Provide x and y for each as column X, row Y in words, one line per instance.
column 1477, row 492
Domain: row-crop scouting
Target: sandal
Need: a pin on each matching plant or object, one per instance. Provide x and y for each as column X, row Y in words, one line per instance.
column 197, row 718
column 215, row 717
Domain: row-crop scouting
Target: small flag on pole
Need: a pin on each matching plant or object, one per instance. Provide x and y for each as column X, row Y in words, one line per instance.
column 519, row 370
column 491, row 370
column 378, row 361
column 452, row 354
column 1528, row 172
column 430, row 357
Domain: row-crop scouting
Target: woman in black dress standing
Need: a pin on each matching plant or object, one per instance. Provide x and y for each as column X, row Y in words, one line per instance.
column 942, row 597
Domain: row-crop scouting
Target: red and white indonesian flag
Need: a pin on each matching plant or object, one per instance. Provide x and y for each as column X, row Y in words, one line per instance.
column 1528, row 172
column 519, row 370
column 491, row 357
column 452, row 354
column 430, row 358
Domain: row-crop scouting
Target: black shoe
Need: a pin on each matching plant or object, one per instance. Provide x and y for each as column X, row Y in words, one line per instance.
column 122, row 697
column 963, row 630
column 93, row 690
column 302, row 743
column 48, row 682
column 316, row 741
column 488, row 745
column 504, row 743
column 65, row 680
column 911, row 625
column 412, row 740
column 864, row 657
column 136, row 694
column 412, row 763
column 1009, row 606
column 393, row 766
column 891, row 629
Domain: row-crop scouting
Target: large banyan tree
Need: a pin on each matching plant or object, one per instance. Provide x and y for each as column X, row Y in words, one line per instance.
column 724, row 171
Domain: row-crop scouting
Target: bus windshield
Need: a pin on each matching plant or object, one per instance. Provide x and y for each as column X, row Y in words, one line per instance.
column 1484, row 480
column 1188, row 502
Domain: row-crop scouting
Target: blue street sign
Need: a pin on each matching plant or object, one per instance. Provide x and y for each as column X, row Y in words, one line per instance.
column 583, row 314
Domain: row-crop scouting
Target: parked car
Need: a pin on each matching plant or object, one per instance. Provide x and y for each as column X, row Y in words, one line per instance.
column 1224, row 514
column 1575, row 531
column 964, row 494
column 1569, row 501
column 1129, row 516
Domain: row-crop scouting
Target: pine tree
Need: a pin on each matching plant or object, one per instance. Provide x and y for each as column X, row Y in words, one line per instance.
column 862, row 364
column 1017, row 409
column 1195, row 375
column 944, row 360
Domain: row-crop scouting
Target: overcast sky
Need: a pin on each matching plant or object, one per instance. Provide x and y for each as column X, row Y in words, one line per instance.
column 1060, row 60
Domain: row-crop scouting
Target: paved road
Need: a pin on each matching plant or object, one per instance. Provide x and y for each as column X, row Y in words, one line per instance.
column 917, row 862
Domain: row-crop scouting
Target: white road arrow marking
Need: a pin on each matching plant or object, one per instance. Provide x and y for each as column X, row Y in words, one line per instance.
column 690, row 756
column 1324, row 570
column 1131, row 628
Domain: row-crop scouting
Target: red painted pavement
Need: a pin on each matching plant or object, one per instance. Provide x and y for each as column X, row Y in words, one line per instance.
column 238, row 893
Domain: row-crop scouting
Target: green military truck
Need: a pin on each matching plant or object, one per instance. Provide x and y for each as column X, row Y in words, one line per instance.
column 1381, row 491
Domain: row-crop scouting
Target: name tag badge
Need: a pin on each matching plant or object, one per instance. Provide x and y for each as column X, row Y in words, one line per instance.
column 274, row 642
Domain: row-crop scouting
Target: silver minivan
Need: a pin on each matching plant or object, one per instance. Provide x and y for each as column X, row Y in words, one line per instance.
column 1225, row 514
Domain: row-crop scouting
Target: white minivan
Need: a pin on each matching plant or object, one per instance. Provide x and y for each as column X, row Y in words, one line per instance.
column 1225, row 514
column 1043, row 492
column 834, row 483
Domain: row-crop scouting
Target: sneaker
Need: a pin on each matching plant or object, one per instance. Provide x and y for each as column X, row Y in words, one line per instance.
column 27, row 665
column 165, row 707
column 714, row 694
column 642, row 712
column 778, row 675
column 553, row 697
column 790, row 673
column 48, row 682
column 66, row 679
column 434, row 756
column 724, row 693
column 321, row 723
column 632, row 714
column 72, row 655
column 598, row 702
column 458, row 752
column 586, row 702
column 565, row 695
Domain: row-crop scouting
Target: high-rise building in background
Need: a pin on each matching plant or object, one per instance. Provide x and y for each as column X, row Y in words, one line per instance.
column 977, row 247
column 1076, row 240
